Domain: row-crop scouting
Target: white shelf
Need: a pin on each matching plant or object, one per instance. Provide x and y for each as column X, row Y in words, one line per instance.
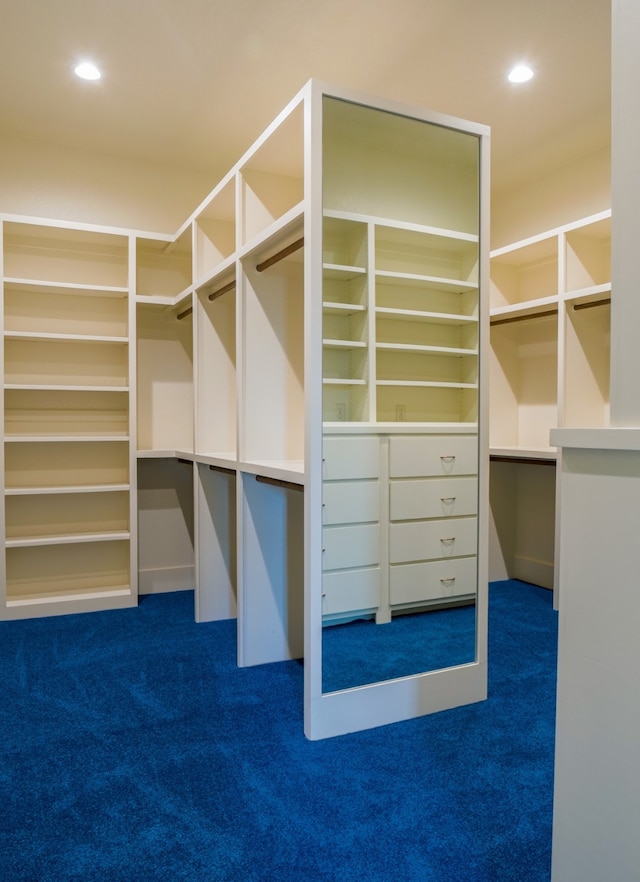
column 515, row 453
column 285, row 470
column 526, row 309
column 337, row 271
column 344, row 344
column 49, row 439
column 332, row 381
column 274, row 235
column 423, row 281
column 45, row 287
column 427, row 384
column 223, row 460
column 70, row 488
column 44, row 387
column 77, row 596
column 155, row 454
column 331, row 307
column 609, row 438
column 415, row 315
column 591, row 294
column 63, row 338
column 428, row 350
column 71, row 539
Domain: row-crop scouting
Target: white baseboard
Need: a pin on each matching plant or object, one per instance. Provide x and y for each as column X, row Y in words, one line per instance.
column 161, row 581
column 538, row 572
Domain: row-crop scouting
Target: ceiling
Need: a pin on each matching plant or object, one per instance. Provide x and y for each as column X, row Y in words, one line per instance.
column 192, row 83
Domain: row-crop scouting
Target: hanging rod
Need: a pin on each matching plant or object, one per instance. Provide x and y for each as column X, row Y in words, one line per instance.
column 222, row 470
column 592, row 303
column 522, row 318
column 527, row 460
column 276, row 482
column 184, row 313
column 279, row 255
column 225, row 288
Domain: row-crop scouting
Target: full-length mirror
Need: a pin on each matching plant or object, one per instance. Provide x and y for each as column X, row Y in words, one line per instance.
column 400, row 395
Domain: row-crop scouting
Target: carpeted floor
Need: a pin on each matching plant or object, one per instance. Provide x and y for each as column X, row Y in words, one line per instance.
column 132, row 748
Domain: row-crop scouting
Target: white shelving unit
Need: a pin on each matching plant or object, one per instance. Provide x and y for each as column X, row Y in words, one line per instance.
column 69, row 507
column 550, row 318
column 327, row 292
column 165, row 412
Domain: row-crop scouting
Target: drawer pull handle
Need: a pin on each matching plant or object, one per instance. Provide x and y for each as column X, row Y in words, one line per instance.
column 447, row 499
column 448, row 458
column 449, row 540
column 449, row 581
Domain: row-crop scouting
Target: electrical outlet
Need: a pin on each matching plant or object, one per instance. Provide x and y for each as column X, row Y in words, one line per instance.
column 341, row 412
column 401, row 413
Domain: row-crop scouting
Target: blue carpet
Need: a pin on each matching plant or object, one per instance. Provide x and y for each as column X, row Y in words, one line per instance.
column 362, row 652
column 134, row 749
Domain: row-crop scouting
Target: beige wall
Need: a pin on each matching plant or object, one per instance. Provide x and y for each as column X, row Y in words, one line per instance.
column 52, row 181
column 569, row 193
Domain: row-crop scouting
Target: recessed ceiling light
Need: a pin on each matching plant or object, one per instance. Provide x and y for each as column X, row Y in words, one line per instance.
column 520, row 73
column 87, row 70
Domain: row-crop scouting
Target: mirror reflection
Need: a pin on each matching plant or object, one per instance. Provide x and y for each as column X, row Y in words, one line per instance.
column 400, row 395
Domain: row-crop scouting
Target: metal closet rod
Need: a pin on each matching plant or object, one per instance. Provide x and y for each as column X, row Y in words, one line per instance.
column 592, row 303
column 280, row 255
column 527, row 460
column 265, row 264
column 523, row 318
column 222, row 469
column 277, row 482
column 225, row 288
column 212, row 296
column 546, row 312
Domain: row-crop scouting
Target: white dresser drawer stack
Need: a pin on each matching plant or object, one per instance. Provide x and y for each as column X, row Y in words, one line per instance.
column 351, row 526
column 433, row 504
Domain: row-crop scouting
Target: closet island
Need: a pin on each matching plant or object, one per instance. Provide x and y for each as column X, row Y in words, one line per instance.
column 281, row 405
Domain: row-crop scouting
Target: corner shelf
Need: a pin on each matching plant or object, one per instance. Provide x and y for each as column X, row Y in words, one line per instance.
column 550, row 367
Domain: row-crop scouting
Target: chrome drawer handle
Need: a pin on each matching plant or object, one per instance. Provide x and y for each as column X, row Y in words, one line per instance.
column 449, row 540
column 448, row 458
column 447, row 499
column 448, row 581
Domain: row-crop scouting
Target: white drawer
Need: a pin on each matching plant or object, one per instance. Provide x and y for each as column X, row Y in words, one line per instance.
column 433, row 498
column 351, row 458
column 350, row 591
column 432, row 540
column 433, row 455
column 436, row 580
column 345, row 547
column 350, row 502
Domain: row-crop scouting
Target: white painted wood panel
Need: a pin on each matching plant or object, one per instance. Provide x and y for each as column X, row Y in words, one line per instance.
column 433, row 498
column 351, row 458
column 435, row 580
column 436, row 455
column 350, row 591
column 351, row 546
column 432, row 540
column 350, row 502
